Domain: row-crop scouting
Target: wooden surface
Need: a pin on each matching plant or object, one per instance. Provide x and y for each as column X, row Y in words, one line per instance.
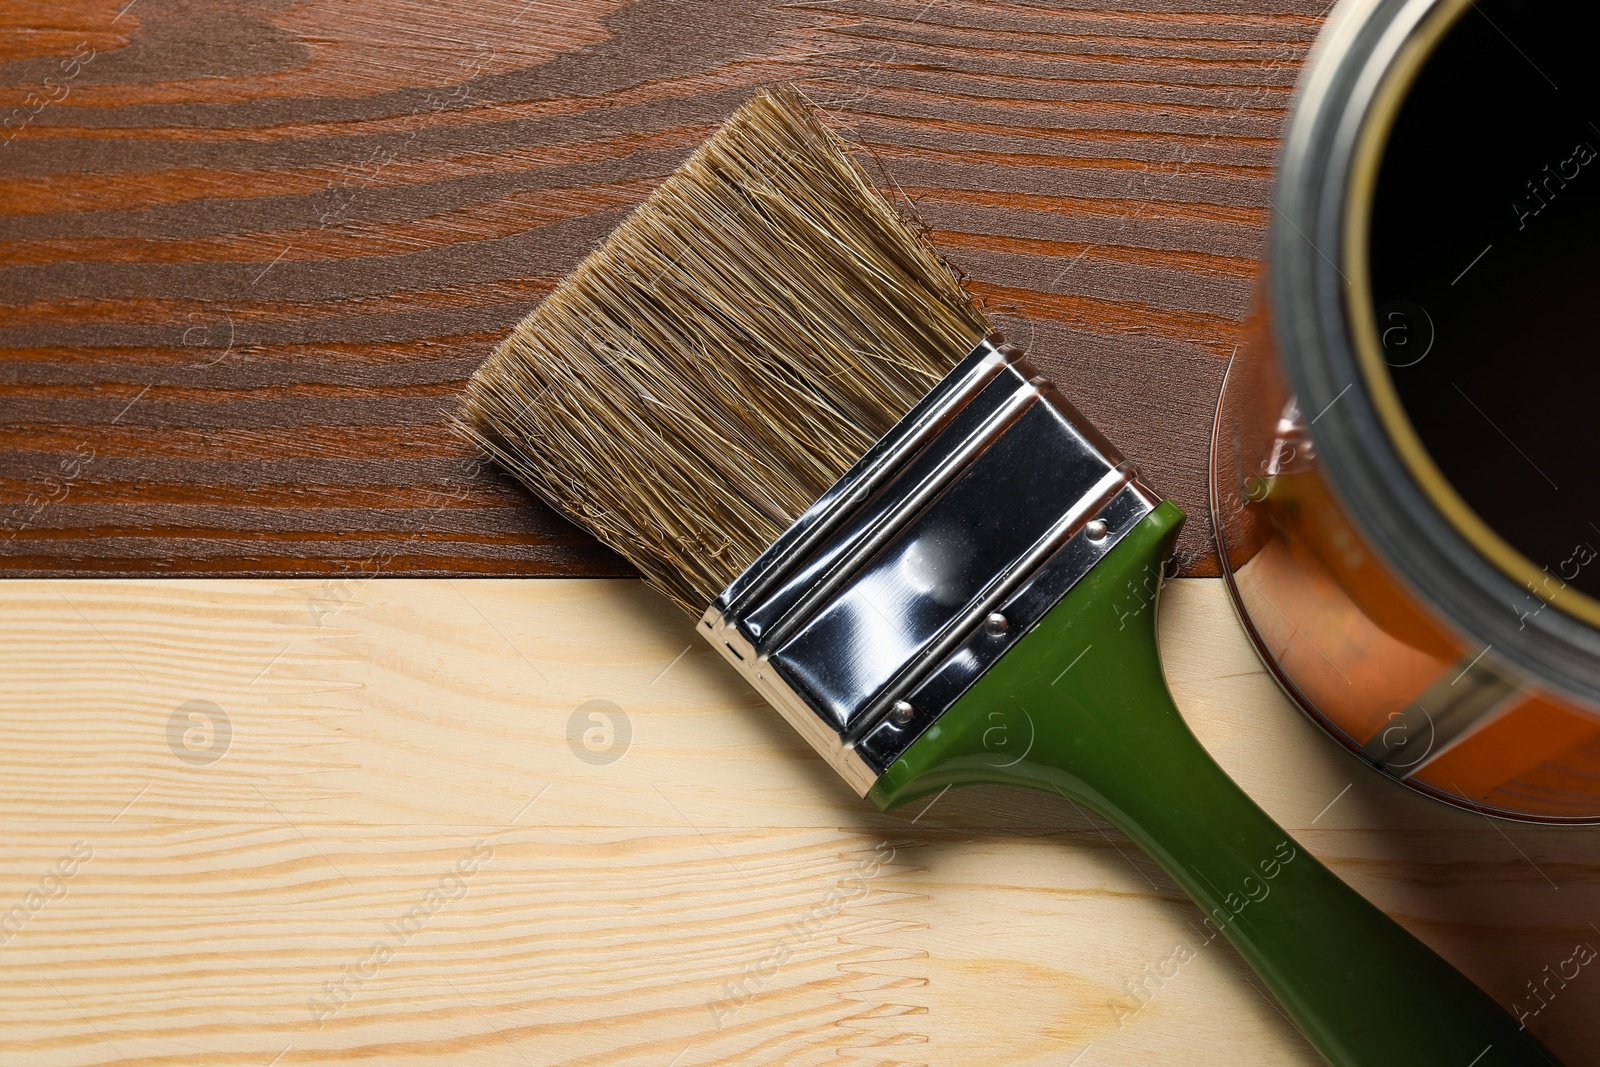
column 249, row 252
column 712, row 896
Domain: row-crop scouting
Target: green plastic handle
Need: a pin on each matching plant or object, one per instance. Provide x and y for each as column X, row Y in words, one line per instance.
column 1079, row 706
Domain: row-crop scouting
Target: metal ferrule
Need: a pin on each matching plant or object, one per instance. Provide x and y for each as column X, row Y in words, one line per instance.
column 871, row 615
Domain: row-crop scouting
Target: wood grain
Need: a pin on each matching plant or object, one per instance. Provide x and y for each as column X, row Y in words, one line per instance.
column 251, row 252
column 403, row 770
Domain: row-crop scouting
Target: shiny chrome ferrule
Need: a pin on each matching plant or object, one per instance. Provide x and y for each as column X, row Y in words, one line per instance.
column 871, row 615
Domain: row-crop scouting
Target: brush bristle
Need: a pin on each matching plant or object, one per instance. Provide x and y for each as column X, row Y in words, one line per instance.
column 724, row 357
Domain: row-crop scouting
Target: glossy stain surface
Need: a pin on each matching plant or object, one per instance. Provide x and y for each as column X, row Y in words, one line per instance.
column 1080, row 707
column 1485, row 221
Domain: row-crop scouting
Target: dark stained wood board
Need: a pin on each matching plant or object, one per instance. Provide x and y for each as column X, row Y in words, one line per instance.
column 252, row 251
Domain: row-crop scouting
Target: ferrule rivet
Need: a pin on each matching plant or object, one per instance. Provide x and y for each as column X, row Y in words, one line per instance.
column 900, row 712
column 996, row 624
column 1096, row 529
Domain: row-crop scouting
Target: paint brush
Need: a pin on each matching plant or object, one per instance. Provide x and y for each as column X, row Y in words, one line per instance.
column 768, row 392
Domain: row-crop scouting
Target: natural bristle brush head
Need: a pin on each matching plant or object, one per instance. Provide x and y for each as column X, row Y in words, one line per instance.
column 726, row 355
column 768, row 392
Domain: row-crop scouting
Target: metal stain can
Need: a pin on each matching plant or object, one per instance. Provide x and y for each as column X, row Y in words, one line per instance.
column 1406, row 458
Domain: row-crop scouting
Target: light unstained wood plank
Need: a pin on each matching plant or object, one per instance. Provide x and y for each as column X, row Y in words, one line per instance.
column 714, row 896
